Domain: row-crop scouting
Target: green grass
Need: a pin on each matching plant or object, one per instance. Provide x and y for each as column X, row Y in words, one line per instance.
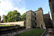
column 34, row 32
column 6, row 25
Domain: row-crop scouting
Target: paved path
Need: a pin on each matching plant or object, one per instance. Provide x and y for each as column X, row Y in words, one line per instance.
column 49, row 32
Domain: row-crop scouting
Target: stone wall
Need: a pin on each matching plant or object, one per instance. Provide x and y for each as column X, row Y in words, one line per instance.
column 48, row 21
column 39, row 17
column 29, row 19
column 21, row 23
column 35, row 19
column 51, row 4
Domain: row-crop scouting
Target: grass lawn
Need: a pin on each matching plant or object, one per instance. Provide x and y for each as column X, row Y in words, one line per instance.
column 34, row 32
column 5, row 25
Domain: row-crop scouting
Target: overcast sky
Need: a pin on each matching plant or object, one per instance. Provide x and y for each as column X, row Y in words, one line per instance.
column 23, row 5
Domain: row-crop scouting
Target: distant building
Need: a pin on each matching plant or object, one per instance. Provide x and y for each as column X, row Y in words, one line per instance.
column 48, row 21
column 35, row 19
column 51, row 4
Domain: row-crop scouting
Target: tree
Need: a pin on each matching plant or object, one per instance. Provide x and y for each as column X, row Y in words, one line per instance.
column 12, row 16
column 4, row 18
column 23, row 17
column 0, row 17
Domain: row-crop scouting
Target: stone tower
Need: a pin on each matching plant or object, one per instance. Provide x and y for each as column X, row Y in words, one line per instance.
column 30, row 21
column 35, row 19
column 51, row 4
column 39, row 18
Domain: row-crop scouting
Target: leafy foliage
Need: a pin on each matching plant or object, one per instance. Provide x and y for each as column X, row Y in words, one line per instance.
column 4, row 18
column 12, row 16
column 23, row 17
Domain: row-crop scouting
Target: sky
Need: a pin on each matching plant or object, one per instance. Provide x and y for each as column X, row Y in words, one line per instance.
column 23, row 5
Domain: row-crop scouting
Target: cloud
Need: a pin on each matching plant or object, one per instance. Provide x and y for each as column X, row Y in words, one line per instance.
column 4, row 7
column 9, row 5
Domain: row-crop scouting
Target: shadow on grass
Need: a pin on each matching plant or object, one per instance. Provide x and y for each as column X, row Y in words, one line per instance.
column 34, row 32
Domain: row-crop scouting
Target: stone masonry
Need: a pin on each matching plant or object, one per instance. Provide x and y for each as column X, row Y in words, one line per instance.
column 48, row 21
column 35, row 19
column 39, row 17
column 30, row 21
